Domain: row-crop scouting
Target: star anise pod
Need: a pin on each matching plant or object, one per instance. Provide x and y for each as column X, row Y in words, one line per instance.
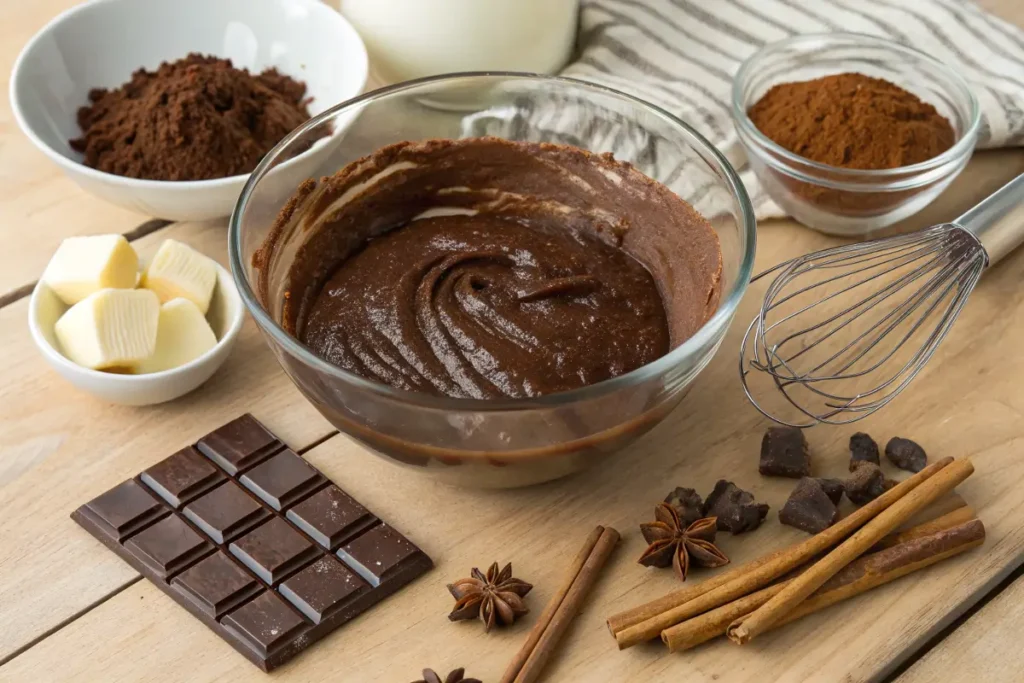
column 673, row 543
column 496, row 598
column 457, row 676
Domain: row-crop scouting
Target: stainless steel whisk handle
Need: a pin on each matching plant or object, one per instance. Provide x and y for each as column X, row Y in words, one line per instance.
column 998, row 220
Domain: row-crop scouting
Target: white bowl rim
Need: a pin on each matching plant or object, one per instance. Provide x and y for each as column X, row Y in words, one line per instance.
column 144, row 183
column 114, row 378
column 963, row 146
column 716, row 326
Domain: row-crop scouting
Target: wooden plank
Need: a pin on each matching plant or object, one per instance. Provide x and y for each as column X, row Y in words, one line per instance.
column 1009, row 10
column 140, row 631
column 984, row 648
column 39, row 206
column 61, row 447
column 967, row 402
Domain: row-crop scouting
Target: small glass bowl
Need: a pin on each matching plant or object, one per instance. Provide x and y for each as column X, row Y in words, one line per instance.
column 501, row 443
column 841, row 201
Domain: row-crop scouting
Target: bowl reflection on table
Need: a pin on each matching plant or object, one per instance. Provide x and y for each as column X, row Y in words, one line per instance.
column 505, row 442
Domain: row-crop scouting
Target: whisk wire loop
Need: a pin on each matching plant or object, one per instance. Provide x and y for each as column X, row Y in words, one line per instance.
column 853, row 361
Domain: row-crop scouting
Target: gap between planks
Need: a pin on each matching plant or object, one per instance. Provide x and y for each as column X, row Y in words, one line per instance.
column 82, row 612
column 944, row 632
column 139, row 231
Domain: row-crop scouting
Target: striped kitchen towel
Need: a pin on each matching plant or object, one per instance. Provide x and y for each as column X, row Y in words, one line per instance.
column 682, row 54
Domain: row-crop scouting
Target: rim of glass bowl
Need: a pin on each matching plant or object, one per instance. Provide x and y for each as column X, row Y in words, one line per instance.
column 913, row 172
column 704, row 337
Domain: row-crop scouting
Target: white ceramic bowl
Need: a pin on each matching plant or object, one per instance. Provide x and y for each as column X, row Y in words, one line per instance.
column 226, row 315
column 100, row 43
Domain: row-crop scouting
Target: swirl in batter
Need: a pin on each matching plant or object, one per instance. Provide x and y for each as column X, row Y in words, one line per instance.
column 481, row 307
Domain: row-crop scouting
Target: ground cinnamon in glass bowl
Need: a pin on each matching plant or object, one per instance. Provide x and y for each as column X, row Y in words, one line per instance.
column 852, row 121
column 850, row 133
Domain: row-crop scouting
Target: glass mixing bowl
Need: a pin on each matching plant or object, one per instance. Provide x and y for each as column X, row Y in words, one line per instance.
column 502, row 443
column 843, row 201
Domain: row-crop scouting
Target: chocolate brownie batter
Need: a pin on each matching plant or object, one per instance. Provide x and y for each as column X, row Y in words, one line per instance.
column 479, row 307
column 484, row 268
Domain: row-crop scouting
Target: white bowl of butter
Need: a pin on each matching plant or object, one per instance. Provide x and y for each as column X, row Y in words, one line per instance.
column 132, row 375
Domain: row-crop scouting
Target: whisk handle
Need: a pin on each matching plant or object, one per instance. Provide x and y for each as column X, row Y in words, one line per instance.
column 998, row 220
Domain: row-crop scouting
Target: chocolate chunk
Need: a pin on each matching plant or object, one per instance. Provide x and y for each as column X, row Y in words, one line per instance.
column 282, row 480
column 239, row 444
column 906, row 454
column 323, row 588
column 273, row 550
column 687, row 503
column 217, row 585
column 168, row 546
column 266, row 624
column 182, row 477
column 123, row 510
column 225, row 512
column 236, row 562
column 331, row 517
column 784, row 453
column 863, row 449
column 866, row 483
column 735, row 508
column 809, row 508
column 833, row 488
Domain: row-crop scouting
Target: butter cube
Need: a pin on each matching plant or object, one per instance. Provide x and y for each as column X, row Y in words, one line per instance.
column 178, row 270
column 112, row 329
column 182, row 335
column 84, row 265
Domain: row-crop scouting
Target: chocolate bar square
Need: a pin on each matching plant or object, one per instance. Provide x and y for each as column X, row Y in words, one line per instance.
column 168, row 546
column 266, row 624
column 242, row 539
column 323, row 587
column 239, row 444
column 381, row 553
column 182, row 477
column 282, row 480
column 225, row 512
column 273, row 550
column 217, row 585
column 331, row 517
column 123, row 510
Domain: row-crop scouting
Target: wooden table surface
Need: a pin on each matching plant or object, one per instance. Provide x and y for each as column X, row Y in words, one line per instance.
column 71, row 610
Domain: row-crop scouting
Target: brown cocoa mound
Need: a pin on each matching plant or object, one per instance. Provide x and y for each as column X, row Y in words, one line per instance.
column 852, row 121
column 194, row 119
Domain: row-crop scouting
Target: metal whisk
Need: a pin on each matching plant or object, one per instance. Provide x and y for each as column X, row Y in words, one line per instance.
column 843, row 331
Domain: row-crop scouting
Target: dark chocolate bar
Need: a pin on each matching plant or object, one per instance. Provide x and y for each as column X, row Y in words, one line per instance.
column 254, row 541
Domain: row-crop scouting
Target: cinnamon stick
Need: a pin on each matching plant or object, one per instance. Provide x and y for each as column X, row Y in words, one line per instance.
column 747, row 579
column 746, row 629
column 549, row 610
column 919, row 553
column 921, row 546
column 642, row 613
column 925, row 528
column 565, row 611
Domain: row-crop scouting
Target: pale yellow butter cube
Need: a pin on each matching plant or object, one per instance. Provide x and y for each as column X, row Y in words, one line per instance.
column 182, row 335
column 178, row 270
column 84, row 265
column 112, row 329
